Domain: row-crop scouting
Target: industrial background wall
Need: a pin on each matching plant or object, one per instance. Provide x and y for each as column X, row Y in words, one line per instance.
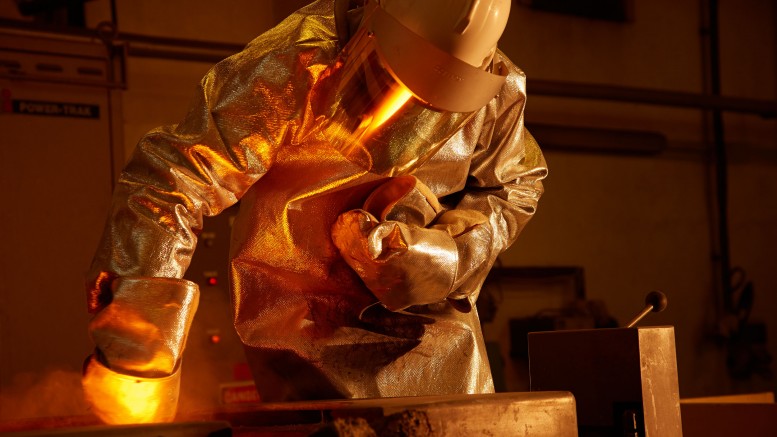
column 635, row 215
column 55, row 173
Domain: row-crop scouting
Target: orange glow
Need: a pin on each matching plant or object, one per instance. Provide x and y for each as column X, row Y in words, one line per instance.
column 123, row 399
column 388, row 107
column 350, row 140
column 137, row 399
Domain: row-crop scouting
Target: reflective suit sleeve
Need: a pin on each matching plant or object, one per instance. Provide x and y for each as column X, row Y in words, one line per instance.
column 505, row 210
column 141, row 335
column 143, row 310
column 435, row 252
column 179, row 174
column 246, row 106
column 504, row 185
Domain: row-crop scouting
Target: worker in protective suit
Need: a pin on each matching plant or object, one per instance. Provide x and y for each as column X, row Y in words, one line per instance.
column 381, row 163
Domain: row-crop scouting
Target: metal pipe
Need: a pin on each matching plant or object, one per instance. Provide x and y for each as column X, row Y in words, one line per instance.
column 63, row 81
column 209, row 52
column 181, row 43
column 712, row 134
column 720, row 157
column 538, row 87
column 151, row 52
column 764, row 108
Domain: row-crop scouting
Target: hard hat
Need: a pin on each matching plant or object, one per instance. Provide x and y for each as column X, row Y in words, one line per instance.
column 436, row 48
column 400, row 88
column 466, row 29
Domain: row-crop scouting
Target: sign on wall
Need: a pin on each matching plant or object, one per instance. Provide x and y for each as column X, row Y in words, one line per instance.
column 55, row 109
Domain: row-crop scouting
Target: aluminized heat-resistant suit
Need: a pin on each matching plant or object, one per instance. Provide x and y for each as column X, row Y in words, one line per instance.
column 319, row 233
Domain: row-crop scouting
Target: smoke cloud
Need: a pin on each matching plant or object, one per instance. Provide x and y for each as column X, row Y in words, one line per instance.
column 56, row 393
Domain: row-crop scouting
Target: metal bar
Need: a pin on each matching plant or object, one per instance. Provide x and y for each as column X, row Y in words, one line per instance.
column 765, row 108
column 721, row 159
column 63, row 80
column 209, row 57
column 210, row 51
column 60, row 30
column 183, row 43
column 596, row 140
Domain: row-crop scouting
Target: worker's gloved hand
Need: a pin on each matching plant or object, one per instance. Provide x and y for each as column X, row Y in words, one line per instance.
column 140, row 335
column 119, row 399
column 404, row 199
column 403, row 262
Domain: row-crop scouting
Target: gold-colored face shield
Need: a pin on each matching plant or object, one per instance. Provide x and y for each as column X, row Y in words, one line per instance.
column 397, row 98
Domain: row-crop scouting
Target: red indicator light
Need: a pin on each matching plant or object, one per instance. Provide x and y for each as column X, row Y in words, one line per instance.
column 215, row 338
column 213, row 281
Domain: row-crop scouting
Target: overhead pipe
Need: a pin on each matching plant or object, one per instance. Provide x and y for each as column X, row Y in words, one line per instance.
column 191, row 50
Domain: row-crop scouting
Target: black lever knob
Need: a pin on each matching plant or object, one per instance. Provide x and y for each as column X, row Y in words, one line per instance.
column 655, row 301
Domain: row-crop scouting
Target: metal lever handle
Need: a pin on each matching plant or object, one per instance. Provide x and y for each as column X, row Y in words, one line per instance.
column 655, row 301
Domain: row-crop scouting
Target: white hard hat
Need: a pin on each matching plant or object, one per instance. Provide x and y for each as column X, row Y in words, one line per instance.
column 412, row 74
column 439, row 49
column 466, row 29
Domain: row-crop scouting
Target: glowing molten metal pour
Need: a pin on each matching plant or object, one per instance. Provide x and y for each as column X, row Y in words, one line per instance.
column 390, row 104
column 124, row 399
column 394, row 100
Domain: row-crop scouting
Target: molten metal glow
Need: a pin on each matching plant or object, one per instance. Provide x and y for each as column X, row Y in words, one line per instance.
column 388, row 107
column 123, row 399
column 136, row 402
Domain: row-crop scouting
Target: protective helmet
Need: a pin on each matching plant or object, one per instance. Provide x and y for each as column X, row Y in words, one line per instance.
column 411, row 76
column 467, row 30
